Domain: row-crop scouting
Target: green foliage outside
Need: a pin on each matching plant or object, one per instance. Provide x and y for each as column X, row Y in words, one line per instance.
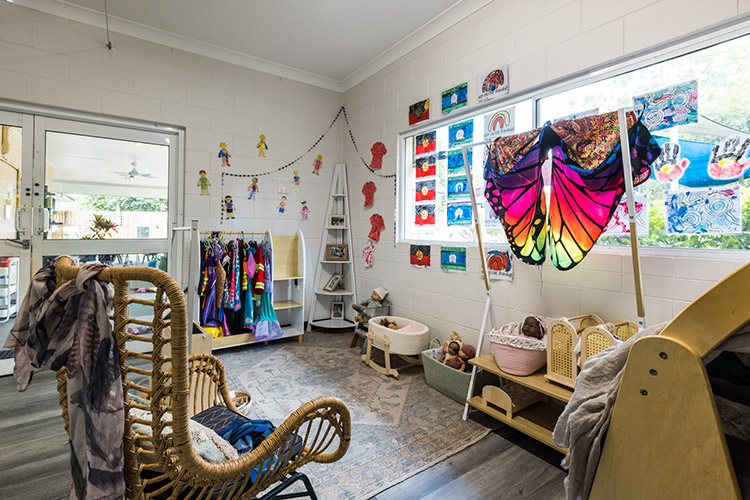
column 122, row 203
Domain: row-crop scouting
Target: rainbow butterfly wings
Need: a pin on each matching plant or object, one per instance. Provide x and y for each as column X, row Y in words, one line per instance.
column 586, row 185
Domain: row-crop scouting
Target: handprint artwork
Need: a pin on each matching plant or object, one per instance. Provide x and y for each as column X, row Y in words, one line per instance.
column 669, row 166
column 726, row 158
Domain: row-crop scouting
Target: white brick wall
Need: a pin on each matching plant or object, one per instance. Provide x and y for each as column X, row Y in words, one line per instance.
column 53, row 61
column 539, row 40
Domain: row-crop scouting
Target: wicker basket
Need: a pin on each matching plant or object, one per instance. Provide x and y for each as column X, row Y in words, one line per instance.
column 451, row 382
column 517, row 360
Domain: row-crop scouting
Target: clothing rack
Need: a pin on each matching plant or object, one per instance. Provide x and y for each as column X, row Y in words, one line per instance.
column 489, row 306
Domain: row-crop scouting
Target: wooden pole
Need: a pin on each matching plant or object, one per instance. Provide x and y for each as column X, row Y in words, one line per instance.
column 628, row 176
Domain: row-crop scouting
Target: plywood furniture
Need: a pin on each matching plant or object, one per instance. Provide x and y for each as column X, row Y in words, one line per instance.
column 165, row 465
column 562, row 337
column 536, row 420
column 665, row 439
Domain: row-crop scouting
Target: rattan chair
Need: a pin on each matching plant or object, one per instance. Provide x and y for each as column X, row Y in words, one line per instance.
column 165, row 465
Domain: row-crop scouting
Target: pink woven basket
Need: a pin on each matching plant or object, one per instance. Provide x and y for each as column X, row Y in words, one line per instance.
column 517, row 361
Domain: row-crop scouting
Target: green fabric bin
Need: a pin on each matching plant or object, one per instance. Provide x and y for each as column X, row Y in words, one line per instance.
column 451, row 382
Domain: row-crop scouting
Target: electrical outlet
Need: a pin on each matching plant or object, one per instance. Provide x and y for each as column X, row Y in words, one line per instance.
column 283, row 190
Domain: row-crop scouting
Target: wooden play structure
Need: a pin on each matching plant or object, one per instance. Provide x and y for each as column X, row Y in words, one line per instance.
column 665, row 439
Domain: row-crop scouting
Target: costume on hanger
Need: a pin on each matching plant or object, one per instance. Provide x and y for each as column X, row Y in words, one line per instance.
column 267, row 326
column 587, row 184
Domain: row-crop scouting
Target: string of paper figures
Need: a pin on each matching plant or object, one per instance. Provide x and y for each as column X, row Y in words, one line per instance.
column 342, row 111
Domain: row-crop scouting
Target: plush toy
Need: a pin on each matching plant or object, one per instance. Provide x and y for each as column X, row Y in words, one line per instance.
column 376, row 298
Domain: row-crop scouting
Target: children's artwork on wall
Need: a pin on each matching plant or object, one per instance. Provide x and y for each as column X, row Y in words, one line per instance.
column 282, row 206
column 425, row 190
column 579, row 114
column 426, row 166
column 203, row 183
column 377, row 224
column 425, row 143
column 500, row 264
column 252, row 189
column 455, row 98
column 459, row 214
column 704, row 211
column 456, row 161
column 318, row 164
column 229, row 207
column 453, row 259
column 499, row 123
column 490, row 217
column 367, row 251
column 305, row 210
column 224, row 154
column 369, row 191
column 458, row 187
column 668, row 166
column 419, row 255
column 419, row 112
column 619, row 225
column 669, row 107
column 296, row 180
column 460, row 133
column 262, row 146
column 493, row 83
column 424, row 214
column 378, row 150
column 725, row 162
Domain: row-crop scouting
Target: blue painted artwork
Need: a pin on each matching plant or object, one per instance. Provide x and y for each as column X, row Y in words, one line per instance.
column 460, row 133
column 703, row 211
column 459, row 214
column 456, row 161
column 454, row 98
column 453, row 259
column 699, row 154
column 458, row 187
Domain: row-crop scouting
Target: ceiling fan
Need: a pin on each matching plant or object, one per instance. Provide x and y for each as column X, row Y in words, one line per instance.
column 131, row 175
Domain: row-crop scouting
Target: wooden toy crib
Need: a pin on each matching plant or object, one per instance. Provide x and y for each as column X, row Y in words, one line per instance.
column 595, row 339
column 562, row 337
column 665, row 439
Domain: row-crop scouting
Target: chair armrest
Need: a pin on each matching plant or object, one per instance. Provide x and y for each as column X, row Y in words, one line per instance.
column 207, row 385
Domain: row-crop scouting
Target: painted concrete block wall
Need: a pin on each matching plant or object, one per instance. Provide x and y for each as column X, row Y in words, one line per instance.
column 539, row 40
column 52, row 61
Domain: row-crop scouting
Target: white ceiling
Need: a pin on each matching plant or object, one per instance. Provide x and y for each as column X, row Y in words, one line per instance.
column 334, row 44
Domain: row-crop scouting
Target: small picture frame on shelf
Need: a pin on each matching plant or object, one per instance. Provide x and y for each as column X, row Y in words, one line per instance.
column 337, row 310
column 337, row 252
column 336, row 220
column 334, row 282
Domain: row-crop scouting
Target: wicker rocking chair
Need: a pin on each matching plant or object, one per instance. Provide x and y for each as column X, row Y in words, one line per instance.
column 165, row 465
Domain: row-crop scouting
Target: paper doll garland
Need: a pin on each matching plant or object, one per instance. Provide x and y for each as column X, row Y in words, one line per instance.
column 203, row 182
column 224, row 154
column 229, row 207
column 317, row 165
column 252, row 189
column 368, row 190
column 305, row 210
column 296, row 180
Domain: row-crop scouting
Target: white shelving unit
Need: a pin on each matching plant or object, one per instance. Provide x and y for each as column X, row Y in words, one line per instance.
column 338, row 204
column 8, row 288
column 288, row 272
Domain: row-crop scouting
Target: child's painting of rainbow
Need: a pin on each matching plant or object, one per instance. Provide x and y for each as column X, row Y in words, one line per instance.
column 493, row 83
column 704, row 211
column 453, row 259
column 459, row 214
column 500, row 264
column 499, row 123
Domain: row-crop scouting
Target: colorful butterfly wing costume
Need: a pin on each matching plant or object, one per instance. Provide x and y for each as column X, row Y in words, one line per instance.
column 586, row 180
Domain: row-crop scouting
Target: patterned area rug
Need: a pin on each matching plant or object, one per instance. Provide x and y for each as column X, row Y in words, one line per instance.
column 399, row 426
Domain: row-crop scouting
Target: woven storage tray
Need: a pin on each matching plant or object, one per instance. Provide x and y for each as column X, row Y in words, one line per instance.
column 451, row 382
column 517, row 361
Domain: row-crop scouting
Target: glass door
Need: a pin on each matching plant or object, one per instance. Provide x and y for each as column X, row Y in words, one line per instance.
column 109, row 193
column 16, row 198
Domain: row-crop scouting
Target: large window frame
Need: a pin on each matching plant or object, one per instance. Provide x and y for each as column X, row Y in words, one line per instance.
column 676, row 47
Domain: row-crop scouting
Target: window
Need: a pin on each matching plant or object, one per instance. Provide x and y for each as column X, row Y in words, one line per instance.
column 724, row 111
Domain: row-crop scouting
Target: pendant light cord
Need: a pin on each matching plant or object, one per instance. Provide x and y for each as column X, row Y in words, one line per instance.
column 106, row 22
